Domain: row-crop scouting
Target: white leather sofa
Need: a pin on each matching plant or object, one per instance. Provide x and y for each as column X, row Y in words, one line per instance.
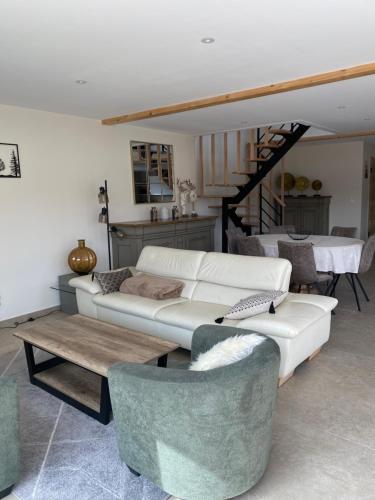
column 213, row 282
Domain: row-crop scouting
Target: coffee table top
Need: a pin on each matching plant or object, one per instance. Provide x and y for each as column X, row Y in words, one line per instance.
column 93, row 344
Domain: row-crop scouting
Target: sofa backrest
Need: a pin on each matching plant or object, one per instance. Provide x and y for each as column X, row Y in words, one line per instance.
column 172, row 263
column 216, row 277
column 227, row 278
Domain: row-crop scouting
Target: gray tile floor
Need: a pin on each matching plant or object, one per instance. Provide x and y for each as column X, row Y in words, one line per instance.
column 324, row 427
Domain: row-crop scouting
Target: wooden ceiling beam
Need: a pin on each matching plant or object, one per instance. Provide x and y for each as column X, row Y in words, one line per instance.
column 253, row 93
column 332, row 137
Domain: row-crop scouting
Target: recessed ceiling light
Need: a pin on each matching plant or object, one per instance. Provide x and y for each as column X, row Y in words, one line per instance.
column 244, row 123
column 367, row 119
column 342, row 106
column 208, row 40
column 81, row 82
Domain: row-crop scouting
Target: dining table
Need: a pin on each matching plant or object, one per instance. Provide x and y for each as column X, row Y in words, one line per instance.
column 332, row 253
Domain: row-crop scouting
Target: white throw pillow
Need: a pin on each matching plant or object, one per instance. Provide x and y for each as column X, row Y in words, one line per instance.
column 255, row 304
column 227, row 352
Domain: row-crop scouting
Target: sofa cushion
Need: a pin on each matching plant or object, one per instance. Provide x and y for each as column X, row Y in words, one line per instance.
column 170, row 262
column 133, row 304
column 291, row 318
column 256, row 273
column 191, row 314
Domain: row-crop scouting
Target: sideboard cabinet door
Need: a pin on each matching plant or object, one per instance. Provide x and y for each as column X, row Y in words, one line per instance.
column 308, row 213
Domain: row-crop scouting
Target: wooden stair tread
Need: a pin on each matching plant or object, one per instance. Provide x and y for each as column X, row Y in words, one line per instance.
column 269, row 145
column 280, row 131
column 256, row 159
column 243, row 173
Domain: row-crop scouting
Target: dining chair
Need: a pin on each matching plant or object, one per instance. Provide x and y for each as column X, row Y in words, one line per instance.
column 346, row 232
column 250, row 245
column 301, row 256
column 365, row 262
column 282, row 229
column 367, row 256
column 233, row 235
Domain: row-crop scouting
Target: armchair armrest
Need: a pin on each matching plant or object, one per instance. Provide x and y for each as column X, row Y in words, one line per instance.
column 9, row 434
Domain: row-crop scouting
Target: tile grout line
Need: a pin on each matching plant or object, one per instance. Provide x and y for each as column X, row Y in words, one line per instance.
column 352, row 441
column 98, row 483
column 47, row 451
column 11, row 362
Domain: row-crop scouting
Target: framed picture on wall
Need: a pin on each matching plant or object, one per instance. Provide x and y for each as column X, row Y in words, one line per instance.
column 9, row 160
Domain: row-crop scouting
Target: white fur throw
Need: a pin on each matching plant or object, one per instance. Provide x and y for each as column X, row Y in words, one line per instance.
column 227, row 352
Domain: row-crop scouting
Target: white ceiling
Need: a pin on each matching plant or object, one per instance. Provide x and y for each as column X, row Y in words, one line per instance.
column 146, row 53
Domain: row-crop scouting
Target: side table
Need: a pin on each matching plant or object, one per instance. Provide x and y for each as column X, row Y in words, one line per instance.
column 67, row 294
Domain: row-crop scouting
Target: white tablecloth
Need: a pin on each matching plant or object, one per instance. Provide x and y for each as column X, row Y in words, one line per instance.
column 332, row 253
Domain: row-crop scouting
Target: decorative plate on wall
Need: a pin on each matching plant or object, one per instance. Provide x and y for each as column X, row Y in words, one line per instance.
column 289, row 181
column 302, row 183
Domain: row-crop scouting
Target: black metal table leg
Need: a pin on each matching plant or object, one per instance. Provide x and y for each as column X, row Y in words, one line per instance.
column 29, row 353
column 104, row 413
column 105, row 402
column 162, row 361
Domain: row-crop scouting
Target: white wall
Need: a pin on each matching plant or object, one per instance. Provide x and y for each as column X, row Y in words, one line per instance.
column 339, row 165
column 64, row 160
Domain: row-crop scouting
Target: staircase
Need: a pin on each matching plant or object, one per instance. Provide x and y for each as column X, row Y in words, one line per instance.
column 265, row 148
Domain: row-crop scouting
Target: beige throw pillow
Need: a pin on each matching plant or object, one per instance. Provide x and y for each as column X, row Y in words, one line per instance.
column 152, row 287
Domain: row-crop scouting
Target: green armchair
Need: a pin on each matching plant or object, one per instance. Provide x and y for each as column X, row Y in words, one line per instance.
column 9, row 436
column 198, row 434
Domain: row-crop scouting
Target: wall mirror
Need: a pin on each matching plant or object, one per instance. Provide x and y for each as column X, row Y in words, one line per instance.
column 152, row 166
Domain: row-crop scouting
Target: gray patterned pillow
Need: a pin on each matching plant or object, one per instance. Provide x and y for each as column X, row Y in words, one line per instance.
column 255, row 304
column 110, row 281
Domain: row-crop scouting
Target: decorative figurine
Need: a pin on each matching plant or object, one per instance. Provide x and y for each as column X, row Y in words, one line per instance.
column 187, row 194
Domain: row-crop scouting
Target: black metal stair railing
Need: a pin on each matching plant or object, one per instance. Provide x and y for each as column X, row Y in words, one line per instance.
column 263, row 168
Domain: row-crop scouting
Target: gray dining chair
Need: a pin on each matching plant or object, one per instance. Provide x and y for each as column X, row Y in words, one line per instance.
column 301, row 256
column 346, row 232
column 365, row 263
column 250, row 245
column 233, row 235
column 282, row 229
column 367, row 256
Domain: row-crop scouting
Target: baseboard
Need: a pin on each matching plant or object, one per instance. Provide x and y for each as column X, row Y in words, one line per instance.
column 24, row 317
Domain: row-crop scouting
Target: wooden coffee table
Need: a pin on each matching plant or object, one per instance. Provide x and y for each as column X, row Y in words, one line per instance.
column 84, row 349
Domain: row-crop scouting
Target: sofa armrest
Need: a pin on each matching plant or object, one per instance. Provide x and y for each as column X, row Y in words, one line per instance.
column 86, row 283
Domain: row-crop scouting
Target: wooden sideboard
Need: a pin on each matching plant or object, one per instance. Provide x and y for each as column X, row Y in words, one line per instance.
column 308, row 213
column 190, row 233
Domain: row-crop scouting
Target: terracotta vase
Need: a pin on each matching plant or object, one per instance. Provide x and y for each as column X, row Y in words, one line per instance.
column 82, row 259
